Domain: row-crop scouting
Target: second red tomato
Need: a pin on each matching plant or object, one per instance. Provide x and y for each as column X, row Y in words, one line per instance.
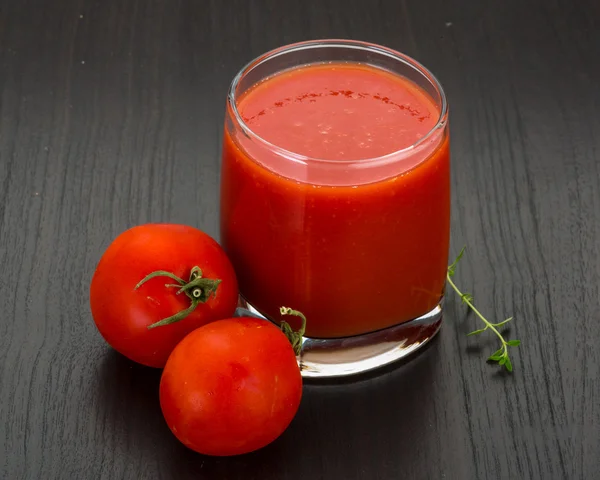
column 231, row 387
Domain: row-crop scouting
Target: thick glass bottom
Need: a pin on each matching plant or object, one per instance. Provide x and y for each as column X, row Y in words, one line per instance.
column 340, row 357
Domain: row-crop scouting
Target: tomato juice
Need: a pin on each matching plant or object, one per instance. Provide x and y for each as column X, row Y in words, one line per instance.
column 335, row 196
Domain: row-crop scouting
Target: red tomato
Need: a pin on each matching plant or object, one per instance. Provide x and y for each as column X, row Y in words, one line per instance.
column 231, row 387
column 123, row 313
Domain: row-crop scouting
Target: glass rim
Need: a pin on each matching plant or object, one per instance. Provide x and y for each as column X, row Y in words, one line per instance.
column 336, row 43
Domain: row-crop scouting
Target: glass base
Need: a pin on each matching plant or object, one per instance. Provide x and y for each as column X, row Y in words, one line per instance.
column 340, row 357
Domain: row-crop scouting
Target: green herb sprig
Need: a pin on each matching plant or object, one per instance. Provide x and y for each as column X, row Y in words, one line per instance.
column 501, row 355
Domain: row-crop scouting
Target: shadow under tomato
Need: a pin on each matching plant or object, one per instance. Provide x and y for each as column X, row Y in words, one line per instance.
column 340, row 429
column 127, row 396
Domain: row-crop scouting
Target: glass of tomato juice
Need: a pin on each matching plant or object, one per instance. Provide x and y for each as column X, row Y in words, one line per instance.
column 335, row 199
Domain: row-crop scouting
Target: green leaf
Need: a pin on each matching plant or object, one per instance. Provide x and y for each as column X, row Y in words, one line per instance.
column 452, row 267
column 476, row 332
column 514, row 343
column 508, row 365
column 466, row 298
column 498, row 353
column 503, row 360
column 503, row 322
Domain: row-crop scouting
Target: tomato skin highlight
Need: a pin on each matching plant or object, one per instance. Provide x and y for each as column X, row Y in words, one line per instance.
column 231, row 387
column 122, row 314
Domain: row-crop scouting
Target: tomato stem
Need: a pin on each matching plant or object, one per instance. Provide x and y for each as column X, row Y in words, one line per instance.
column 295, row 338
column 197, row 289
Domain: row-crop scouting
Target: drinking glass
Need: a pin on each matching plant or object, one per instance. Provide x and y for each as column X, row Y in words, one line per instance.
column 358, row 243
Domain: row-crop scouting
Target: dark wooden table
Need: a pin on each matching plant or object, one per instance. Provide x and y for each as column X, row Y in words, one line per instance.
column 110, row 116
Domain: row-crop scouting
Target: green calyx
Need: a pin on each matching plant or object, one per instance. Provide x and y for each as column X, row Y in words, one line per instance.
column 295, row 338
column 197, row 288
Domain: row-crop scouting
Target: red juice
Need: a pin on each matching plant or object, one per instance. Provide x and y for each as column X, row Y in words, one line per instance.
column 337, row 203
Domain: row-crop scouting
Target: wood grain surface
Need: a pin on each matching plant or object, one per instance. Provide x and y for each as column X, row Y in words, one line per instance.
column 111, row 115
